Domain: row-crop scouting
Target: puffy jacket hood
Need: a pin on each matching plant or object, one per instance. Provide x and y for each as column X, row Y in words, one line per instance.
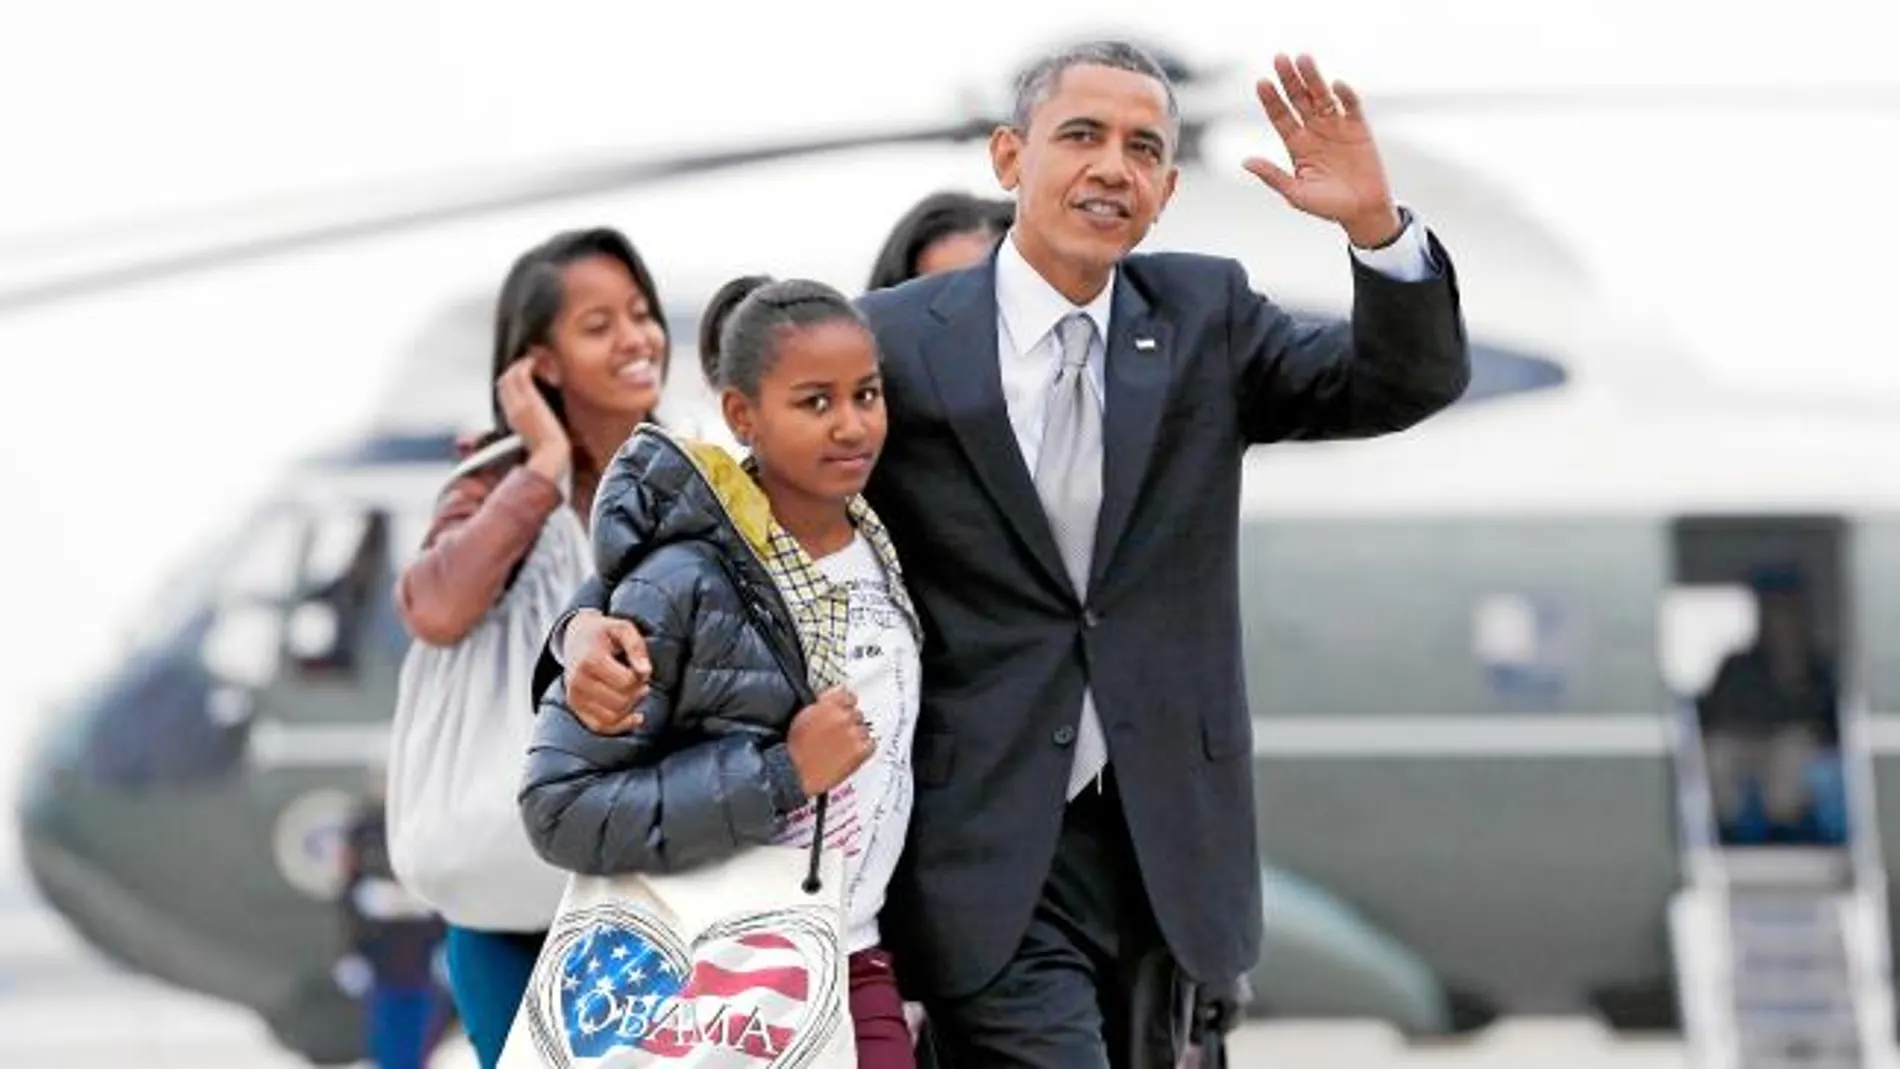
column 660, row 490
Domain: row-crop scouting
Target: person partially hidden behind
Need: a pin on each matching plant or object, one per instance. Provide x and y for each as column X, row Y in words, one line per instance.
column 1062, row 482
column 394, row 945
column 944, row 231
column 1767, row 714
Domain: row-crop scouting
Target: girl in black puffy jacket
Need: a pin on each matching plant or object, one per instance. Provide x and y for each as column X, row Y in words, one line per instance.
column 783, row 646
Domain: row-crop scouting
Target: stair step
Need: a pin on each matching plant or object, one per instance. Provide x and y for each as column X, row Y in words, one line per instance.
column 1784, row 917
column 1784, row 997
column 1800, row 1053
column 1784, row 922
column 1834, row 981
column 1783, row 967
column 1801, row 1060
column 1831, row 1038
column 1820, row 941
column 1804, row 867
column 1775, row 958
column 1782, row 931
column 1802, row 1012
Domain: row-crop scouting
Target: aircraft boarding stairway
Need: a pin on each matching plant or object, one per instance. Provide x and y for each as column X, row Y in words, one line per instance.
column 1781, row 953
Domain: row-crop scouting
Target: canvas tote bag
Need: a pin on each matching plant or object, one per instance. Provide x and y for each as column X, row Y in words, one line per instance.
column 740, row 963
column 459, row 741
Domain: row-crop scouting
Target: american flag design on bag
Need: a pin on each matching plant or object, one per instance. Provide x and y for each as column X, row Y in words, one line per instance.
column 619, row 989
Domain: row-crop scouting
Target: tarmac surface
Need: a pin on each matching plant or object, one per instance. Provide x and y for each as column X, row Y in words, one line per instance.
column 64, row 1007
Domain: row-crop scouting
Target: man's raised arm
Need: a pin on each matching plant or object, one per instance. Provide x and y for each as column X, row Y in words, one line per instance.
column 1403, row 355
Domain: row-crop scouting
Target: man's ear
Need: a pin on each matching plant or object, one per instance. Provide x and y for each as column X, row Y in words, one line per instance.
column 1006, row 150
column 547, row 367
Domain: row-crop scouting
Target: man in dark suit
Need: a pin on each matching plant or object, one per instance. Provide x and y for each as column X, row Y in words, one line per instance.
column 1062, row 482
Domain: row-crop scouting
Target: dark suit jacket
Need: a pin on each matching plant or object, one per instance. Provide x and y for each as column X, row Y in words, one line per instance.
column 1007, row 642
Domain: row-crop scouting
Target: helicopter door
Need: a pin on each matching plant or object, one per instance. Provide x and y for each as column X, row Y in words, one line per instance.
column 1780, row 934
column 1761, row 668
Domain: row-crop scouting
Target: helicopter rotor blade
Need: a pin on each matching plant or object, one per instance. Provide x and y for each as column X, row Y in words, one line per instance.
column 25, row 290
column 431, row 208
column 1840, row 97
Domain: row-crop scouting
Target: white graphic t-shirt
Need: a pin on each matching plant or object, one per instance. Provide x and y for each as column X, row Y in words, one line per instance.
column 869, row 813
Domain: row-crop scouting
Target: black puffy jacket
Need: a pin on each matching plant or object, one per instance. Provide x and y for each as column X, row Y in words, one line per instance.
column 707, row 772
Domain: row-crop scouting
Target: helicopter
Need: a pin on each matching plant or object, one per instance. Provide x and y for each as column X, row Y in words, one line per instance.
column 1462, row 725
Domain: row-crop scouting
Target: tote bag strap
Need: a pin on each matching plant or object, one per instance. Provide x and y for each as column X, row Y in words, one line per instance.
column 812, row 884
column 802, row 687
column 488, row 454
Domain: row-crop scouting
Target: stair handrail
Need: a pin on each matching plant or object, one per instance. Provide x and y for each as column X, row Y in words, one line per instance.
column 1706, row 1001
column 1701, row 847
column 1867, row 937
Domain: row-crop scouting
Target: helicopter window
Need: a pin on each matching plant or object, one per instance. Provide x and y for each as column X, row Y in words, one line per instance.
column 1525, row 644
column 312, row 633
column 266, row 564
column 242, row 646
column 334, row 544
column 1498, row 372
column 183, row 594
column 345, row 571
column 167, row 717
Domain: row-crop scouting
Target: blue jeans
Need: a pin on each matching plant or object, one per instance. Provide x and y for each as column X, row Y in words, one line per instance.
column 488, row 973
column 402, row 1022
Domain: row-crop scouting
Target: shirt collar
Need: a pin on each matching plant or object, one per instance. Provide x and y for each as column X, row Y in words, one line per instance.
column 802, row 583
column 1031, row 307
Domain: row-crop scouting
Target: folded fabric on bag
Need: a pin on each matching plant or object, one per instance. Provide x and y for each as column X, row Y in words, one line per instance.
column 459, row 738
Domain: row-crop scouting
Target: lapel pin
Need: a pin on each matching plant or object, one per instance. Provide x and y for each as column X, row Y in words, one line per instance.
column 1144, row 344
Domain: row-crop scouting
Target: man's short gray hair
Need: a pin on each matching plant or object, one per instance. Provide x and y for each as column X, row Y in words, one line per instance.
column 1038, row 81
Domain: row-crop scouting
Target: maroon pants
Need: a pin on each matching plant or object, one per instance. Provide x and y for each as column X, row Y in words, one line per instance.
column 877, row 1012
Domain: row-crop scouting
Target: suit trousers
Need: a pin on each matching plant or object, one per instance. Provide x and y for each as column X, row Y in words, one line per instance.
column 1092, row 985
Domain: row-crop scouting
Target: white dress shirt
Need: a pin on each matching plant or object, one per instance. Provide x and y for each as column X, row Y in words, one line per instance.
column 1028, row 309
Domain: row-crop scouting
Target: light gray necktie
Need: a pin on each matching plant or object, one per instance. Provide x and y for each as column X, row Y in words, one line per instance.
column 1069, row 481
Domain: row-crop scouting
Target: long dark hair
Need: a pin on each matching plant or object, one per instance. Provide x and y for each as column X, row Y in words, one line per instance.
column 938, row 215
column 531, row 298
